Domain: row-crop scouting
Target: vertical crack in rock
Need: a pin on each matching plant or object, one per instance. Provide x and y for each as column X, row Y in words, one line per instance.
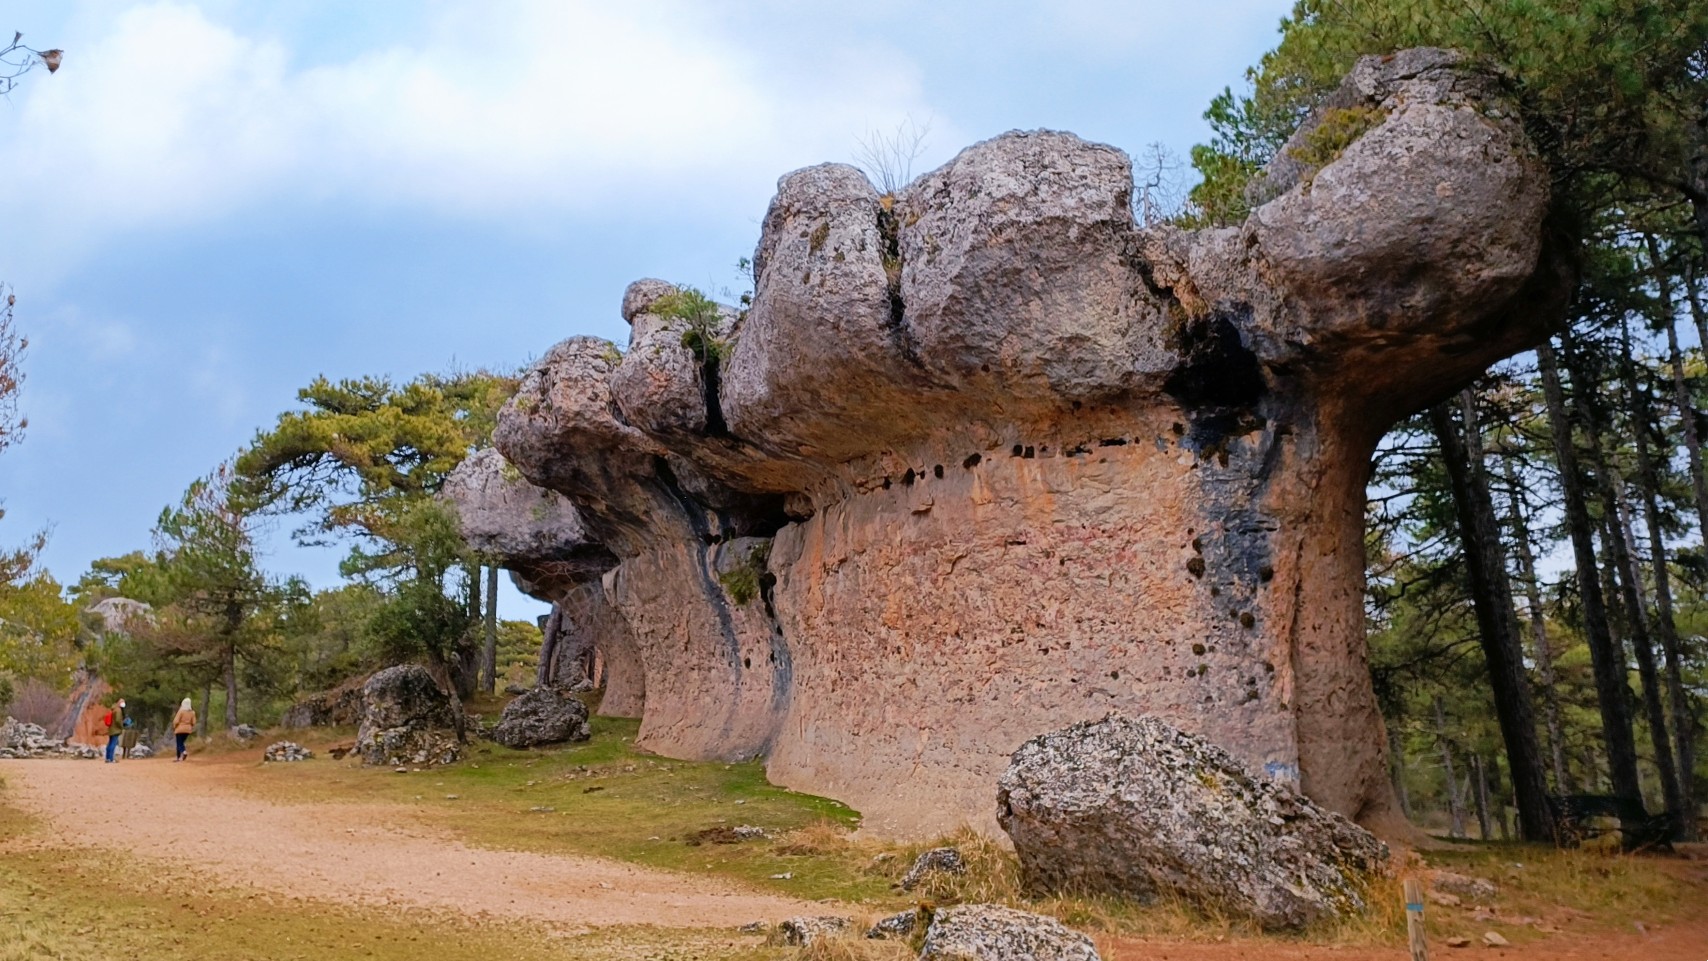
column 704, row 541
column 889, row 230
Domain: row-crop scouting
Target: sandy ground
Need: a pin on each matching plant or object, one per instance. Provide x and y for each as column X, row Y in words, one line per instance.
column 377, row 854
column 362, row 853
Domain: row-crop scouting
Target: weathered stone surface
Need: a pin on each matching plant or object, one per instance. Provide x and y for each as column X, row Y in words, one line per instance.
column 805, row 931
column 714, row 681
column 934, row 861
column 990, row 932
column 529, row 528
column 406, row 719
column 544, row 715
column 1020, row 463
column 896, row 927
column 1133, row 806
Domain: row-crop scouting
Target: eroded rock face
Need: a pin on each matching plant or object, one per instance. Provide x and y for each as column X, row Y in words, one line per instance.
column 1133, row 806
column 984, row 458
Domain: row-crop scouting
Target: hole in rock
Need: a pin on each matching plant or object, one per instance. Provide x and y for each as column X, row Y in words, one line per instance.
column 972, row 461
column 937, row 471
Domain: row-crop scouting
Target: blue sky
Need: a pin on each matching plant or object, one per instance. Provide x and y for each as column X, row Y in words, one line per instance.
column 212, row 203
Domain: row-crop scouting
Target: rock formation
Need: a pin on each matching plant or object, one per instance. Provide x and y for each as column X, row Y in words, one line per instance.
column 984, row 458
column 1131, row 806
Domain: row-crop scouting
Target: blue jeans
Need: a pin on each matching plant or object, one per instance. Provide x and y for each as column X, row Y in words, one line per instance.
column 181, row 739
column 112, row 744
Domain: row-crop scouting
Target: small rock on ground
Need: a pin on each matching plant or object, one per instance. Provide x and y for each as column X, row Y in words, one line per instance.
column 989, row 932
column 934, row 861
column 804, row 931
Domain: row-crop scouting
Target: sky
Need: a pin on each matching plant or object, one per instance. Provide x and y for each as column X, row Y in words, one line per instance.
column 212, row 203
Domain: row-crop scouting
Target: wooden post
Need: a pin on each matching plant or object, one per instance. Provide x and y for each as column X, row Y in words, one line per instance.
column 1414, row 919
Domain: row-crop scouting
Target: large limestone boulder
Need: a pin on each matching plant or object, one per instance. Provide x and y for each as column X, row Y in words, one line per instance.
column 990, row 932
column 406, row 719
column 544, row 715
column 1016, row 462
column 1133, row 806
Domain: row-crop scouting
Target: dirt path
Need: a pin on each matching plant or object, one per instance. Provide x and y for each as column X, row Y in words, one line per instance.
column 373, row 854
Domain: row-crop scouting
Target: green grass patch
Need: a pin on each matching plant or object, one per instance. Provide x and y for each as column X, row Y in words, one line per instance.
column 608, row 799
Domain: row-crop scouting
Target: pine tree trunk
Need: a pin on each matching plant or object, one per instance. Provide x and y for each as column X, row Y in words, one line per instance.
column 1612, row 692
column 1497, row 621
column 230, row 668
column 1622, row 563
column 1681, row 396
column 1455, row 800
column 1481, row 797
column 548, row 647
column 1666, row 627
column 1538, row 629
column 490, row 666
column 1397, row 769
column 207, row 707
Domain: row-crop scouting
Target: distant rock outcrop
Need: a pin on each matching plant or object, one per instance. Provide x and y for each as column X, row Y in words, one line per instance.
column 985, row 458
column 1134, row 807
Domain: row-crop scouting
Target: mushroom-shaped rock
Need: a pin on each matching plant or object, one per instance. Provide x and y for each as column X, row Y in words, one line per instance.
column 1040, row 464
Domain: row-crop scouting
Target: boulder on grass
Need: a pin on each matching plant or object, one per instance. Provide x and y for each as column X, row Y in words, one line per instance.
column 990, row 932
column 406, row 719
column 544, row 715
column 1136, row 807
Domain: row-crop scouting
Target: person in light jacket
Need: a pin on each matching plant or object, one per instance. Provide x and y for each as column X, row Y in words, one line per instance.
column 183, row 725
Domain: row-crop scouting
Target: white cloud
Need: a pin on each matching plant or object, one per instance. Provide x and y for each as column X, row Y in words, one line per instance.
column 169, row 119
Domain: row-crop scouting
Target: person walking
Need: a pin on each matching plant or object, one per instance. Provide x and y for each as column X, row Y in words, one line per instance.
column 115, row 728
column 183, row 725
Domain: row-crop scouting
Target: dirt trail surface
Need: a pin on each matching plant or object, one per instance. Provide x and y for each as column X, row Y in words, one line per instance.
column 374, row 854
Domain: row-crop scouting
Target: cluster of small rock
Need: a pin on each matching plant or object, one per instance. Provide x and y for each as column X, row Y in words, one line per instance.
column 245, row 733
column 286, row 751
column 19, row 739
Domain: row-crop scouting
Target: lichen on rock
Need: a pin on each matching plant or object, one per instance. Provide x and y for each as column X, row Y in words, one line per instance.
column 1133, row 806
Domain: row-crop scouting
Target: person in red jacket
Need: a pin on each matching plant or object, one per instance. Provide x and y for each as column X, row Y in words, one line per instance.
column 115, row 728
